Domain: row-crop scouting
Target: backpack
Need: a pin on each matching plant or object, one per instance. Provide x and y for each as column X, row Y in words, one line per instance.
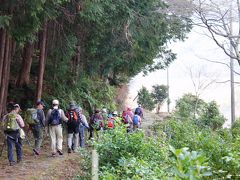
column 55, row 118
column 31, row 116
column 110, row 123
column 135, row 120
column 11, row 122
column 72, row 116
column 96, row 122
column 125, row 117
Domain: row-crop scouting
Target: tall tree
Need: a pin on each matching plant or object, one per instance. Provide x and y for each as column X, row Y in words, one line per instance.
column 159, row 94
column 24, row 75
column 42, row 60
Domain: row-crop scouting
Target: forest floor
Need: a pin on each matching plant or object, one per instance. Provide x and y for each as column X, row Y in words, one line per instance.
column 42, row 167
column 46, row 167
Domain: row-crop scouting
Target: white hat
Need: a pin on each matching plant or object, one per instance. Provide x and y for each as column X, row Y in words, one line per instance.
column 115, row 113
column 55, row 102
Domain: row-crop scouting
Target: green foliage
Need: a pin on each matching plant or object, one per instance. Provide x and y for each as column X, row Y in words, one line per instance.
column 125, row 155
column 221, row 150
column 145, row 99
column 189, row 165
column 236, row 128
column 189, row 107
column 160, row 93
column 211, row 116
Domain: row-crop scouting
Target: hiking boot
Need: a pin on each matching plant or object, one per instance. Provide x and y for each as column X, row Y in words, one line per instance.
column 19, row 160
column 60, row 152
column 54, row 154
column 12, row 163
column 69, row 150
column 36, row 152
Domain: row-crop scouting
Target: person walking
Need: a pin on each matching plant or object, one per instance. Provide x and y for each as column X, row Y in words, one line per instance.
column 54, row 120
column 83, row 124
column 73, row 128
column 96, row 123
column 136, row 121
column 13, row 122
column 38, row 128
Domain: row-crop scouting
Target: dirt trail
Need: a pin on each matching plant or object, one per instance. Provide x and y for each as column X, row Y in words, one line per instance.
column 43, row 167
column 149, row 119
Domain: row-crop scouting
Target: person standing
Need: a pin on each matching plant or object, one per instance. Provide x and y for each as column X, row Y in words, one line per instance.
column 38, row 128
column 54, row 120
column 13, row 123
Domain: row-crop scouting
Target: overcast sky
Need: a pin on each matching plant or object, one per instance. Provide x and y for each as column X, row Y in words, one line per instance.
column 193, row 54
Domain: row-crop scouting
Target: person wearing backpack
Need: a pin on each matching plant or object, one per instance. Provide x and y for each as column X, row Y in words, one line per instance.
column 13, row 122
column 96, row 123
column 83, row 124
column 54, row 120
column 136, row 121
column 139, row 111
column 39, row 125
column 105, row 118
column 110, row 122
column 72, row 128
column 127, row 120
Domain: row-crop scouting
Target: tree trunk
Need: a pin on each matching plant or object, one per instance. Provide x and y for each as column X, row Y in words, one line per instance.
column 2, row 49
column 24, row 76
column 4, row 75
column 8, row 66
column 42, row 59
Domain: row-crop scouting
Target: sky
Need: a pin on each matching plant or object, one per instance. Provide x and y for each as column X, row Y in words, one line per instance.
column 193, row 55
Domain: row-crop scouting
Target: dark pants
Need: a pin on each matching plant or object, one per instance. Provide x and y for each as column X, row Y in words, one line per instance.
column 13, row 138
column 38, row 136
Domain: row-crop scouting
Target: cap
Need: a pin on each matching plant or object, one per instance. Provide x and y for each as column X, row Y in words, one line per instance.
column 55, row 102
column 16, row 106
column 40, row 102
column 72, row 106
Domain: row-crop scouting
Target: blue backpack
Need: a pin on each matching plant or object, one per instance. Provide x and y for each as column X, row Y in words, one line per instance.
column 55, row 118
column 135, row 120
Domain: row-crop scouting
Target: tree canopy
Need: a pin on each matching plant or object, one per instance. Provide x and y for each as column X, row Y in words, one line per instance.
column 60, row 43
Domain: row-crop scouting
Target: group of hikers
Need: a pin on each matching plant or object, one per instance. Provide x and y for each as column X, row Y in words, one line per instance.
column 74, row 119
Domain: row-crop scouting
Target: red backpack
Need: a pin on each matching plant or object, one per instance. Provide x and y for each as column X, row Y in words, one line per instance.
column 110, row 124
column 72, row 116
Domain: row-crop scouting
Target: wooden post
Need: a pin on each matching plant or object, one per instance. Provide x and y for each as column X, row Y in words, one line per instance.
column 94, row 165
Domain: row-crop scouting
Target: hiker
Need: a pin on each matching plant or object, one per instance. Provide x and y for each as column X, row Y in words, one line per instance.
column 13, row 122
column 83, row 124
column 110, row 122
column 136, row 121
column 117, row 119
column 38, row 128
column 72, row 128
column 105, row 117
column 96, row 123
column 54, row 120
column 127, row 120
column 129, row 112
column 139, row 111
